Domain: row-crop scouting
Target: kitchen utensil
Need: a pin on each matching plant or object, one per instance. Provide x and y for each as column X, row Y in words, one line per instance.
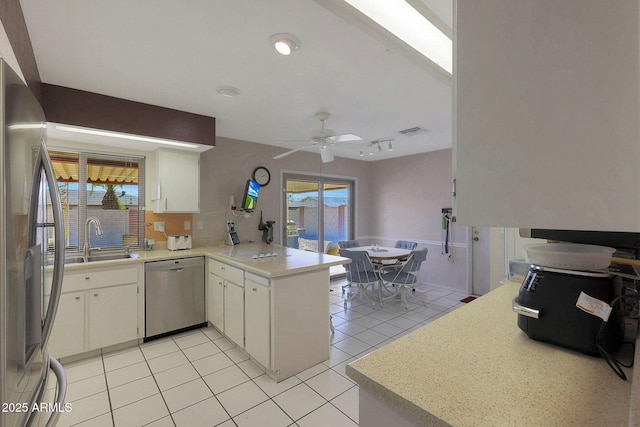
column 571, row 256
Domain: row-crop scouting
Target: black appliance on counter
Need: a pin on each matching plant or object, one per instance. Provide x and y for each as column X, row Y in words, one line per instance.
column 547, row 311
column 614, row 239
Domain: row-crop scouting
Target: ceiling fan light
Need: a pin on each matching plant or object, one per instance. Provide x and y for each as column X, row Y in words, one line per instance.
column 326, row 154
column 285, row 43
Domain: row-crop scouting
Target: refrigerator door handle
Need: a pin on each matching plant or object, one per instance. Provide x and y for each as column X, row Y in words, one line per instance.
column 44, row 162
column 58, row 370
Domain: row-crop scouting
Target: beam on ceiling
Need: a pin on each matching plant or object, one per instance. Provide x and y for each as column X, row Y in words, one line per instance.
column 91, row 110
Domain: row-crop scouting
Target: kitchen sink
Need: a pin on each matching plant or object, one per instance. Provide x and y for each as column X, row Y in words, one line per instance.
column 94, row 258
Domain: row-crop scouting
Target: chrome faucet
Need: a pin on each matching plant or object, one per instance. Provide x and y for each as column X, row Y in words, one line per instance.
column 87, row 246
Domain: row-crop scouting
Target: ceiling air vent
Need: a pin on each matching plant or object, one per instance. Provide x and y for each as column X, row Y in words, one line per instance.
column 416, row 130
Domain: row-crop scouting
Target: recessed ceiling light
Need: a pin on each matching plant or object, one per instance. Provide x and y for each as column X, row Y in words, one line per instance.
column 285, row 43
column 228, row 91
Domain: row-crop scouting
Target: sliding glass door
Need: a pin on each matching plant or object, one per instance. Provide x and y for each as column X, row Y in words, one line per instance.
column 318, row 212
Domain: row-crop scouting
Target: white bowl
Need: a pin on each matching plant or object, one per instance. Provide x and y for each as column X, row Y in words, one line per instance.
column 570, row 256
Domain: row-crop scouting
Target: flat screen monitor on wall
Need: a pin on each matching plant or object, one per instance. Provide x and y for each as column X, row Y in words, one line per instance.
column 250, row 198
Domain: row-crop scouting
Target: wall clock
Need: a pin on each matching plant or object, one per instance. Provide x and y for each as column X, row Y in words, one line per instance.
column 261, row 175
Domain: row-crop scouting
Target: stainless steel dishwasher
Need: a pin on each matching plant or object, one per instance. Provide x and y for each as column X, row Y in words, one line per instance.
column 174, row 295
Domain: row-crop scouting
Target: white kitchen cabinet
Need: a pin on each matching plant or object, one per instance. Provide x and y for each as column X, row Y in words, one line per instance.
column 225, row 300
column 113, row 315
column 234, row 312
column 175, row 181
column 546, row 114
column 99, row 307
column 215, row 300
column 281, row 322
column 258, row 318
column 67, row 335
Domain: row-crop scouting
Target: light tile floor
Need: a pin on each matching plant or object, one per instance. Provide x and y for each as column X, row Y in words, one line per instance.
column 199, row 378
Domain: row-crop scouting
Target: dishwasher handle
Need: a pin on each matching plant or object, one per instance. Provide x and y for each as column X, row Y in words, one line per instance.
column 174, row 265
column 177, row 270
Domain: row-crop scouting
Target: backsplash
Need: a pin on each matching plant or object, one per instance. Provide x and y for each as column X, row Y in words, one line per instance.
column 174, row 223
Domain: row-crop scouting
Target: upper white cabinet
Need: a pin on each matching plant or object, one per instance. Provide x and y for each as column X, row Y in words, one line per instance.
column 547, row 114
column 174, row 181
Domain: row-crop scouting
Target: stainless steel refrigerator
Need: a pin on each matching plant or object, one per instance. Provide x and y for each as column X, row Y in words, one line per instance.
column 32, row 236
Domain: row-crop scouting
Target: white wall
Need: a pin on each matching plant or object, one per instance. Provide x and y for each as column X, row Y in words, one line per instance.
column 408, row 196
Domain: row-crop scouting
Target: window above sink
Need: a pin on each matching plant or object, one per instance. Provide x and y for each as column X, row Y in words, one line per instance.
column 113, row 193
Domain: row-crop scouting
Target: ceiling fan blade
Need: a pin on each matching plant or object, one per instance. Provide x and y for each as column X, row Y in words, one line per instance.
column 285, row 154
column 345, row 137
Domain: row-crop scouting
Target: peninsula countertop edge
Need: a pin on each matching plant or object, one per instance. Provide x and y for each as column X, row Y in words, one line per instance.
column 288, row 262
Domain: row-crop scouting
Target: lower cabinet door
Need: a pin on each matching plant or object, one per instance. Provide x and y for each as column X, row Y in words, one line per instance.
column 113, row 315
column 234, row 313
column 215, row 301
column 257, row 322
column 67, row 335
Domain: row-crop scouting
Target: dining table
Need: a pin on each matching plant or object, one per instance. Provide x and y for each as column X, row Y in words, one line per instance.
column 380, row 257
column 383, row 253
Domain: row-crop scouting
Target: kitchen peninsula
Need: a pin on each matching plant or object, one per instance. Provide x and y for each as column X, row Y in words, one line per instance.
column 475, row 367
column 271, row 301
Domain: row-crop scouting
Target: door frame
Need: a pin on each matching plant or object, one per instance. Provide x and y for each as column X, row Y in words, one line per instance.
column 322, row 178
column 494, row 242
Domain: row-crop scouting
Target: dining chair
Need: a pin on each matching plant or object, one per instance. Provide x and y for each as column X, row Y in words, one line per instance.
column 402, row 244
column 360, row 272
column 348, row 244
column 405, row 277
column 405, row 244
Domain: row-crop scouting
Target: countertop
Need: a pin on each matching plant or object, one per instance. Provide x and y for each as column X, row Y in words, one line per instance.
column 475, row 367
column 288, row 261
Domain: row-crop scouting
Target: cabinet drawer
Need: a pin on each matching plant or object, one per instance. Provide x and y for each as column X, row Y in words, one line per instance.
column 226, row 271
column 257, row 279
column 98, row 278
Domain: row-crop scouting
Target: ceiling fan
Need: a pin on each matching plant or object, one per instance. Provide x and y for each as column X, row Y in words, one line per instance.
column 323, row 138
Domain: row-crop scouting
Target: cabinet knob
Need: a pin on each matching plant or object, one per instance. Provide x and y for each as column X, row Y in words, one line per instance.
column 95, row 295
column 87, row 277
column 77, row 298
column 255, row 289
